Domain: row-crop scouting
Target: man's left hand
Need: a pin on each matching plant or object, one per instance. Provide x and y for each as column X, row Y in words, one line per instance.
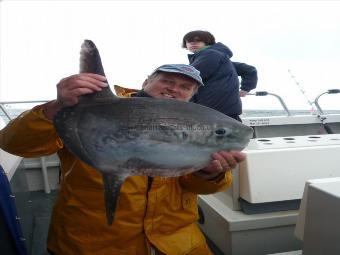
column 222, row 161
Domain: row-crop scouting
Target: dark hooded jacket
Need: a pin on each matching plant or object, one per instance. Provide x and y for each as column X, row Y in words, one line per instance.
column 220, row 77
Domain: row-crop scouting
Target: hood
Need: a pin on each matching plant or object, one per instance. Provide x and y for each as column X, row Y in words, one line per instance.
column 222, row 48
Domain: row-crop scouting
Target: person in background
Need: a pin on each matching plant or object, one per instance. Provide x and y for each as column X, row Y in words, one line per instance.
column 220, row 75
column 154, row 215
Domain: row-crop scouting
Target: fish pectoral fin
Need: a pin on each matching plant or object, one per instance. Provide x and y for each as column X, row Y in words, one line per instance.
column 112, row 184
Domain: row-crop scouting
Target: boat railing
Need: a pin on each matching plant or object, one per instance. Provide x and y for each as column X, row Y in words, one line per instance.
column 4, row 109
column 316, row 101
column 265, row 93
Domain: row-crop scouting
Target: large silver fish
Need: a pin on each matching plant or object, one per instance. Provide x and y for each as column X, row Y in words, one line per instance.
column 121, row 137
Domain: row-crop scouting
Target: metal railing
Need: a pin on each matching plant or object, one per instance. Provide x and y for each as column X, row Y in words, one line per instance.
column 321, row 116
column 265, row 93
column 316, row 101
column 8, row 115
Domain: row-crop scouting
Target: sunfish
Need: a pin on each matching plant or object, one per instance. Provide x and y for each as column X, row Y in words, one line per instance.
column 121, row 137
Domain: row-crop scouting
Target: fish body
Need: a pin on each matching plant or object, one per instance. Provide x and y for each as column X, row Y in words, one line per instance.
column 121, row 137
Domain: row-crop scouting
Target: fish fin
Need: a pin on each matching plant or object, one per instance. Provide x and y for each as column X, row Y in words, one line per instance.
column 112, row 184
column 90, row 62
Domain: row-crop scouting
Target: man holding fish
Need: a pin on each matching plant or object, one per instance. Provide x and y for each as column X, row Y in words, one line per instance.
column 154, row 215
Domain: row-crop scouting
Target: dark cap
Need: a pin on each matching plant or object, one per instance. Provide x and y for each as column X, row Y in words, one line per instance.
column 186, row 70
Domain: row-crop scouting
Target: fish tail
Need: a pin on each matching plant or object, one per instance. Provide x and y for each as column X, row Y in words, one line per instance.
column 112, row 184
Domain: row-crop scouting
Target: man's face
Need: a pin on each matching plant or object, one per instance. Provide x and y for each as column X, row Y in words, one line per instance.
column 171, row 86
column 195, row 46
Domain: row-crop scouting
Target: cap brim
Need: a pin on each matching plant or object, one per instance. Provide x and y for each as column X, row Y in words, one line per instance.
column 177, row 71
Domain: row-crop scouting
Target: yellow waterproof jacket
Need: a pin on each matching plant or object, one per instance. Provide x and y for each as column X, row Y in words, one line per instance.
column 164, row 217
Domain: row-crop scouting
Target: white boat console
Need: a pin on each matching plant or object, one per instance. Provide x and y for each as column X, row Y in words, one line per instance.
column 276, row 168
column 257, row 215
column 318, row 222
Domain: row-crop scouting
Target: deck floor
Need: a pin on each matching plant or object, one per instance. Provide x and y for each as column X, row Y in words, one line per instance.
column 42, row 204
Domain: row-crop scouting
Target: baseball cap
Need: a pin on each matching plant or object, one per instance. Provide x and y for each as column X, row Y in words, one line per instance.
column 187, row 70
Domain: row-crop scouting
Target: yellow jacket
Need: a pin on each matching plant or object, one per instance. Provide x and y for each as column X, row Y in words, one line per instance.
column 164, row 217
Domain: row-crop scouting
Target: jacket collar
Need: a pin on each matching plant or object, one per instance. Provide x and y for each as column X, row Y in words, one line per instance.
column 141, row 93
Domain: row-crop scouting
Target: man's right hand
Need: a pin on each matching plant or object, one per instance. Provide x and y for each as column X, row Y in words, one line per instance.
column 71, row 88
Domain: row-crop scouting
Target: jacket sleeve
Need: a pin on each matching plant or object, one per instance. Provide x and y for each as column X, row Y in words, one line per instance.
column 248, row 75
column 198, row 185
column 30, row 135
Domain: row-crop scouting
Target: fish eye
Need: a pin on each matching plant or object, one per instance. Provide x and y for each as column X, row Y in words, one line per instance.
column 220, row 132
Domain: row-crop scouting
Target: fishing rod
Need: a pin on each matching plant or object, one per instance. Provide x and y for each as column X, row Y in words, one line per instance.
column 301, row 90
column 323, row 118
column 311, row 103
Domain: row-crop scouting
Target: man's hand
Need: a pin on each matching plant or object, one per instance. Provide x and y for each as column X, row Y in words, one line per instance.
column 222, row 161
column 71, row 88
